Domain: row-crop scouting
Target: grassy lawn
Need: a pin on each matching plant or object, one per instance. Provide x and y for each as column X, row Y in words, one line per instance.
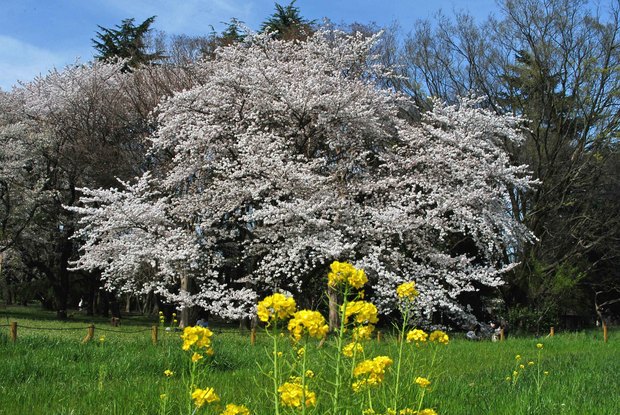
column 51, row 372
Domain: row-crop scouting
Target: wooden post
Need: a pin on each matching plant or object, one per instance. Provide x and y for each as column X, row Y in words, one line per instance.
column 13, row 331
column 253, row 336
column 378, row 336
column 90, row 334
column 501, row 334
column 154, row 334
column 552, row 331
column 605, row 334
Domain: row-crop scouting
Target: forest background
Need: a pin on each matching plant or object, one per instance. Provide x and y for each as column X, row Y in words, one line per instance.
column 556, row 63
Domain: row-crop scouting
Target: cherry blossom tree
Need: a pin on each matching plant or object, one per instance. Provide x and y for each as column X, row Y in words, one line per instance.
column 81, row 126
column 288, row 155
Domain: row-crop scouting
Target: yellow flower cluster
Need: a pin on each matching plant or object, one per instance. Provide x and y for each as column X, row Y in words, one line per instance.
column 363, row 312
column 363, row 332
column 352, row 348
column 292, row 393
column 308, row 322
column 232, row 409
column 439, row 337
column 346, row 273
column 372, row 370
column 199, row 337
column 168, row 373
column 203, row 396
column 422, row 382
column 407, row 291
column 276, row 307
column 417, row 336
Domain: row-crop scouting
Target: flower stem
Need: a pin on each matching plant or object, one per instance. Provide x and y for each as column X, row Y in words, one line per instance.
column 337, row 385
column 303, row 377
column 400, row 356
column 276, row 377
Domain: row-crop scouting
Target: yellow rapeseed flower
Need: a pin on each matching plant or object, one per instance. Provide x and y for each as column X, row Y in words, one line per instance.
column 439, row 337
column 232, row 409
column 203, row 396
column 199, row 337
column 196, row 357
column 346, row 273
column 309, row 374
column 427, row 411
column 417, row 336
column 276, row 307
column 168, row 373
column 407, row 411
column 539, row 345
column 530, row 363
column 518, row 357
column 292, row 393
column 407, row 291
column 363, row 332
column 308, row 322
column 352, row 348
column 362, row 312
column 422, row 382
column 372, row 371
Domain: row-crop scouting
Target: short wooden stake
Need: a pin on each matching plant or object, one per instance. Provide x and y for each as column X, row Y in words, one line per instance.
column 90, row 334
column 552, row 331
column 154, row 334
column 13, row 331
column 378, row 336
column 605, row 334
column 501, row 334
column 253, row 336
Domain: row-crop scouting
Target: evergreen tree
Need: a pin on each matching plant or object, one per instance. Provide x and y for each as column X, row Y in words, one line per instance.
column 287, row 23
column 127, row 41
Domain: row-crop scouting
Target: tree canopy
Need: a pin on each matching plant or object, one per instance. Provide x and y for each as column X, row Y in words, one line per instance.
column 288, row 156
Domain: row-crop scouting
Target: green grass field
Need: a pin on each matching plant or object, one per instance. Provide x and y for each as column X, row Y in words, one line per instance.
column 51, row 372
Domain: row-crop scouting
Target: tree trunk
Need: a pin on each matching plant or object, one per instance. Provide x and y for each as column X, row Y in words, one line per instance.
column 128, row 303
column 61, row 289
column 185, row 312
column 332, row 295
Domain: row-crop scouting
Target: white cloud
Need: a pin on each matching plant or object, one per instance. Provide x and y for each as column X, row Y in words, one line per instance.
column 21, row 61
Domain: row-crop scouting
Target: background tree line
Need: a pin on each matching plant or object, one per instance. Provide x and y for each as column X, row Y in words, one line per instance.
column 555, row 62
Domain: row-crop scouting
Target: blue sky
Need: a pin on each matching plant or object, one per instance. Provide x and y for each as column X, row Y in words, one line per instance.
column 37, row 35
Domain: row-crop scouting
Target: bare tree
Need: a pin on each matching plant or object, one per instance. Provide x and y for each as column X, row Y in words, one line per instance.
column 555, row 63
